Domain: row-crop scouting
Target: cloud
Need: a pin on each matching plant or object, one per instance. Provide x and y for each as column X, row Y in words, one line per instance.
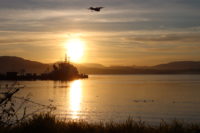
column 126, row 15
column 193, row 38
column 63, row 4
column 133, row 28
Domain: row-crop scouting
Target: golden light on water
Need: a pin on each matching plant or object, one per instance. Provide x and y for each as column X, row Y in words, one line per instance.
column 75, row 98
column 75, row 49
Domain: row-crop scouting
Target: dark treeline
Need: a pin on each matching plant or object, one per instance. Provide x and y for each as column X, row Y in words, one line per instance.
column 61, row 71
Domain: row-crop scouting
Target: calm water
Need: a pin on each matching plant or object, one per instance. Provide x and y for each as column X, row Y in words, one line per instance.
column 115, row 97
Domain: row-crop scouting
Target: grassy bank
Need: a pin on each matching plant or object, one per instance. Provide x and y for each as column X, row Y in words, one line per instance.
column 46, row 123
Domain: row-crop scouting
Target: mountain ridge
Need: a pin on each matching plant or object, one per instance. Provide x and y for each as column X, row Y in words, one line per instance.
column 179, row 64
column 13, row 63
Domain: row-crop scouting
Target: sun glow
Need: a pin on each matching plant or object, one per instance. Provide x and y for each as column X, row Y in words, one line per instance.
column 74, row 49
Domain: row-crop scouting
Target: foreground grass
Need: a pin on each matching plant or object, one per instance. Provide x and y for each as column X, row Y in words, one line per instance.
column 46, row 123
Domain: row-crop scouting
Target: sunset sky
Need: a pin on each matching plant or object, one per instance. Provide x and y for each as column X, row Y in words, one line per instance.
column 125, row 32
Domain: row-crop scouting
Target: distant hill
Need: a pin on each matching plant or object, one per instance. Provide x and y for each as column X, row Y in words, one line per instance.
column 12, row 63
column 179, row 65
column 93, row 65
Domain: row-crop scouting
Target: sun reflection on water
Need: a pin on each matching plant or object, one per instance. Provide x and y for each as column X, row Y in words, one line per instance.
column 75, row 98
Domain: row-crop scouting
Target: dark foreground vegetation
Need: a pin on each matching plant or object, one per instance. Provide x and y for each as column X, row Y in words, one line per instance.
column 46, row 123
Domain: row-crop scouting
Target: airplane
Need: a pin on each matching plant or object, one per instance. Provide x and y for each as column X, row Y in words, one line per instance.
column 97, row 9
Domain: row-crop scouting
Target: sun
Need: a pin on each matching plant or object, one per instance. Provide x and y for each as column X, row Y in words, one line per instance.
column 74, row 49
